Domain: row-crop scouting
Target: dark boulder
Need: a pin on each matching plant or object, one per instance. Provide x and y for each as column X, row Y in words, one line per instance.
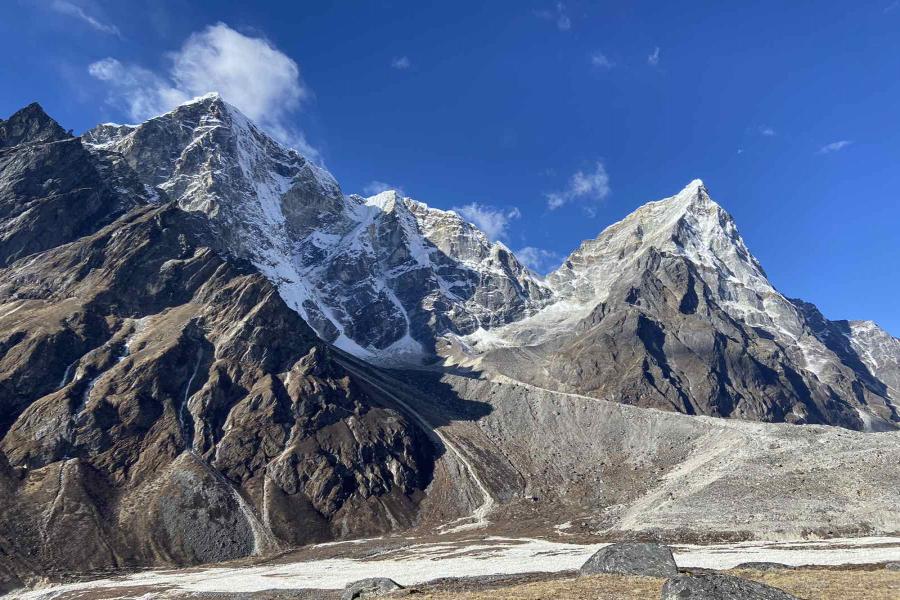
column 719, row 587
column 651, row 560
column 370, row 588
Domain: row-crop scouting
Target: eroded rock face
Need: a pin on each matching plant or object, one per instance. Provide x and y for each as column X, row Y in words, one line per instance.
column 717, row 587
column 52, row 191
column 31, row 125
column 162, row 404
column 667, row 308
column 670, row 310
column 381, row 277
column 164, row 400
column 628, row 558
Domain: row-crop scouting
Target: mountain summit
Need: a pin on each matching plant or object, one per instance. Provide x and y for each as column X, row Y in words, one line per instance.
column 669, row 309
column 185, row 303
column 381, row 277
column 393, row 281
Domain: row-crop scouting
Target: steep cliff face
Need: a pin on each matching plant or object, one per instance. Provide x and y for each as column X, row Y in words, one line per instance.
column 669, row 309
column 161, row 403
column 380, row 277
column 391, row 280
column 397, row 274
column 51, row 190
column 176, row 300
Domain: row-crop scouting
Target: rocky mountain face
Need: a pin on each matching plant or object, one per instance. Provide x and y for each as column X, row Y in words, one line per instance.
column 668, row 309
column 183, row 309
column 45, row 172
column 380, row 277
column 393, row 281
column 159, row 402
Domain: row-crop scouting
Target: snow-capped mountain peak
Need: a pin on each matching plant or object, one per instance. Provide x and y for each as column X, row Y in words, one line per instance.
column 381, row 277
column 689, row 225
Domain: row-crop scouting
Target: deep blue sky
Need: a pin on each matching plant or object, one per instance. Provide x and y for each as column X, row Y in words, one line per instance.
column 502, row 104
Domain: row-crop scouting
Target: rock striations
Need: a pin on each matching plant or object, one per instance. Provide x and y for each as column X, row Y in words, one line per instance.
column 381, row 277
column 184, row 304
column 668, row 309
column 159, row 402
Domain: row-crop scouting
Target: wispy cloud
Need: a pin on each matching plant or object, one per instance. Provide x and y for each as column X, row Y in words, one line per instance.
column 590, row 185
column 491, row 220
column 375, row 187
column 834, row 147
column 892, row 6
column 73, row 10
column 558, row 15
column 537, row 259
column 653, row 57
column 767, row 131
column 401, row 63
column 601, row 61
column 249, row 72
column 139, row 91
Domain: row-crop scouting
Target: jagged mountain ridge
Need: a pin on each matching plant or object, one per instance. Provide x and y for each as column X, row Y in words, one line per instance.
column 380, row 277
column 391, row 280
column 162, row 404
column 159, row 402
column 668, row 308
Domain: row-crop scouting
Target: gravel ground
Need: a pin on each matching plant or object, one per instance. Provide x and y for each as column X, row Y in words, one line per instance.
column 474, row 564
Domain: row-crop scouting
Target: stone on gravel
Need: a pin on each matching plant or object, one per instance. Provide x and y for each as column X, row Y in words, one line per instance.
column 650, row 560
column 719, row 587
column 763, row 566
column 370, row 588
column 892, row 566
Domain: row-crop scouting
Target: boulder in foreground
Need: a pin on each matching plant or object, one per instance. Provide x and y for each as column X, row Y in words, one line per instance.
column 647, row 559
column 370, row 588
column 719, row 587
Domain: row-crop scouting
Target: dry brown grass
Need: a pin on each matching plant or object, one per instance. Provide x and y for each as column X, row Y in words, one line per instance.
column 832, row 584
column 810, row 584
column 599, row 587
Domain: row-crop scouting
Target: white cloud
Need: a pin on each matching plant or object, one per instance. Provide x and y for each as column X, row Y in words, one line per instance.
column 374, row 188
column 401, row 63
column 142, row 92
column 601, row 61
column 537, row 259
column 767, row 131
column 249, row 72
column 653, row 58
column 558, row 15
column 491, row 220
column 592, row 185
column 834, row 146
column 73, row 10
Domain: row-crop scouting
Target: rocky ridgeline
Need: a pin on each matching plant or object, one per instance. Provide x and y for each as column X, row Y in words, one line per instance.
column 667, row 308
column 382, row 277
column 159, row 402
column 183, row 308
